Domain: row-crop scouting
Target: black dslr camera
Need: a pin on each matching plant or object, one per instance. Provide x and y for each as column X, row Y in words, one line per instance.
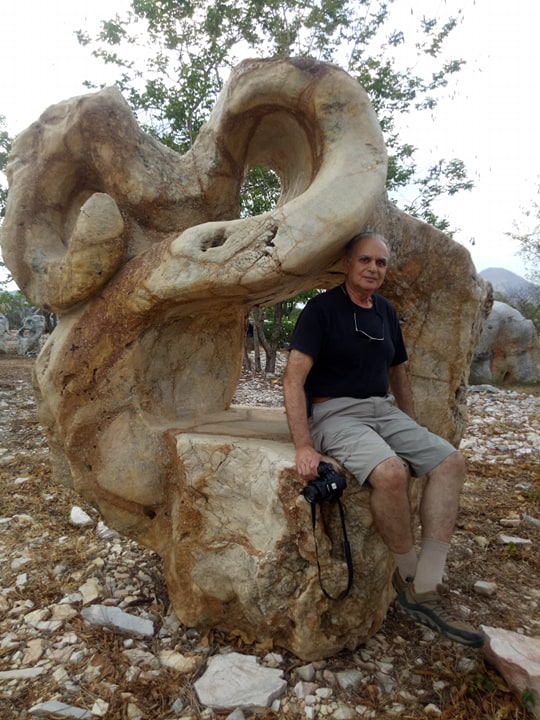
column 328, row 486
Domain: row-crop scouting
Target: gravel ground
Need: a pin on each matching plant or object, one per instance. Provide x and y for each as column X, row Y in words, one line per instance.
column 52, row 569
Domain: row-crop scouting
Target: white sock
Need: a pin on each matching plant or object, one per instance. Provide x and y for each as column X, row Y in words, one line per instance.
column 431, row 563
column 406, row 563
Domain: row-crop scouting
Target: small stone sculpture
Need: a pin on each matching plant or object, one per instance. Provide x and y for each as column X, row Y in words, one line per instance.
column 4, row 333
column 507, row 350
column 30, row 333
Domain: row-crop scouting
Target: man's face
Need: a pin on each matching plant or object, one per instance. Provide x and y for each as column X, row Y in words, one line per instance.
column 366, row 268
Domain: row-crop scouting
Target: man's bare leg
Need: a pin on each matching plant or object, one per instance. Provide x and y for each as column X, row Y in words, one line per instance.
column 438, row 513
column 392, row 514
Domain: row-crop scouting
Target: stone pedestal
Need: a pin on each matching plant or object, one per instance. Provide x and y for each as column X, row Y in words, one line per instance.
column 241, row 555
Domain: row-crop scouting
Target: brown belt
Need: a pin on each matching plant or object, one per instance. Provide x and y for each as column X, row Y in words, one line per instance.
column 320, row 399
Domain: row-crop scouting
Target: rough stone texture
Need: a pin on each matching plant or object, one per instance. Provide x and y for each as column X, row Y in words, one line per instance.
column 517, row 658
column 236, row 680
column 30, row 333
column 4, row 333
column 140, row 252
column 442, row 304
column 507, row 350
column 244, row 536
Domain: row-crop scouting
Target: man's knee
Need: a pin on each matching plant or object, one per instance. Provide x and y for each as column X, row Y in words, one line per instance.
column 454, row 466
column 390, row 476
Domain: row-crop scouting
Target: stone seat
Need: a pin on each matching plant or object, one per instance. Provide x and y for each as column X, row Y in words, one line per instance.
column 243, row 558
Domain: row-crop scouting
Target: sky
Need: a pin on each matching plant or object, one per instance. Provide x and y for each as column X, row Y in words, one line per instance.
column 489, row 118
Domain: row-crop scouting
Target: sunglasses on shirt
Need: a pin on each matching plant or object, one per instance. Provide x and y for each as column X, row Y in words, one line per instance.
column 363, row 333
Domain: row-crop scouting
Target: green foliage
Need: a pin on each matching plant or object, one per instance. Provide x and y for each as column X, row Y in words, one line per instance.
column 174, row 55
column 528, row 699
column 527, row 301
column 5, row 146
column 260, row 192
column 15, row 307
column 443, row 178
column 529, row 239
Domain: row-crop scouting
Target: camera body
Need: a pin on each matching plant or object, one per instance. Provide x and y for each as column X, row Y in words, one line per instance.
column 328, row 486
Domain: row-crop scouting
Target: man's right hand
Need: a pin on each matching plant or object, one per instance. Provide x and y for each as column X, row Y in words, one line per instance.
column 307, row 462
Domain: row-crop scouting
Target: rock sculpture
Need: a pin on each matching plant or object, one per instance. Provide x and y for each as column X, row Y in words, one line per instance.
column 4, row 333
column 30, row 333
column 141, row 254
column 507, row 350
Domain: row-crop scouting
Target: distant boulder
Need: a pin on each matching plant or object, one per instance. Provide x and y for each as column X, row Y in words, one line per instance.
column 507, row 350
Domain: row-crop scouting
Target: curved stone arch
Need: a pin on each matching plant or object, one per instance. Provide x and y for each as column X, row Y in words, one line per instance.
column 142, row 254
column 92, row 191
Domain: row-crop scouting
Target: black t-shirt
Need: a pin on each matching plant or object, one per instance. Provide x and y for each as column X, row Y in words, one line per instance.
column 336, row 333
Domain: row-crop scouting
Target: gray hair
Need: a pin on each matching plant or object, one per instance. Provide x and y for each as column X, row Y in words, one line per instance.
column 353, row 242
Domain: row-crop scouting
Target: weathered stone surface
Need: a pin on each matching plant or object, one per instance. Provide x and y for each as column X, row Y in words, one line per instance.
column 141, row 253
column 517, row 658
column 29, row 334
column 507, row 349
column 4, row 333
column 244, row 539
column 219, row 687
column 442, row 303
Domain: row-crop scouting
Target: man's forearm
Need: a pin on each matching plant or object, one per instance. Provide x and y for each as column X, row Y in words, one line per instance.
column 401, row 389
column 296, row 410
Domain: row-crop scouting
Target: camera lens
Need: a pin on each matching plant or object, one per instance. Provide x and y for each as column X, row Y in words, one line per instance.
column 311, row 493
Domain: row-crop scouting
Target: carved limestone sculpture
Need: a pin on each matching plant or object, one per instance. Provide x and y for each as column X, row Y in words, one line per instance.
column 508, row 348
column 141, row 253
column 4, row 333
column 29, row 333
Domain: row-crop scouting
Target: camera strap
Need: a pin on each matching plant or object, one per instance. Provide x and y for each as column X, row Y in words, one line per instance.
column 346, row 548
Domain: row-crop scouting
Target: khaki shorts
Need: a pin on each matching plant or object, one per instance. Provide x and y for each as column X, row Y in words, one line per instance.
column 360, row 434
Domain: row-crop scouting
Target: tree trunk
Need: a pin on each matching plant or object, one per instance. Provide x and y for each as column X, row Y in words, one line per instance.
column 275, row 337
column 258, row 334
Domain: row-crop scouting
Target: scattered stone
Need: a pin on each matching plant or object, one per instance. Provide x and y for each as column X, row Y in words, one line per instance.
column 236, row 715
column 179, row 662
column 517, row 657
column 303, row 689
column 21, row 674
column 100, row 708
column 509, row 522
column 306, row 672
column 485, row 588
column 530, row 519
column 343, row 712
column 235, row 680
column 481, row 541
column 513, row 540
column 59, row 710
column 349, row 679
column 91, row 590
column 116, row 572
column 79, row 517
column 117, row 619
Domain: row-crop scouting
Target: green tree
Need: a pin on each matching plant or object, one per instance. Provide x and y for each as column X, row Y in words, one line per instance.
column 173, row 57
column 15, row 307
column 5, row 147
column 529, row 239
